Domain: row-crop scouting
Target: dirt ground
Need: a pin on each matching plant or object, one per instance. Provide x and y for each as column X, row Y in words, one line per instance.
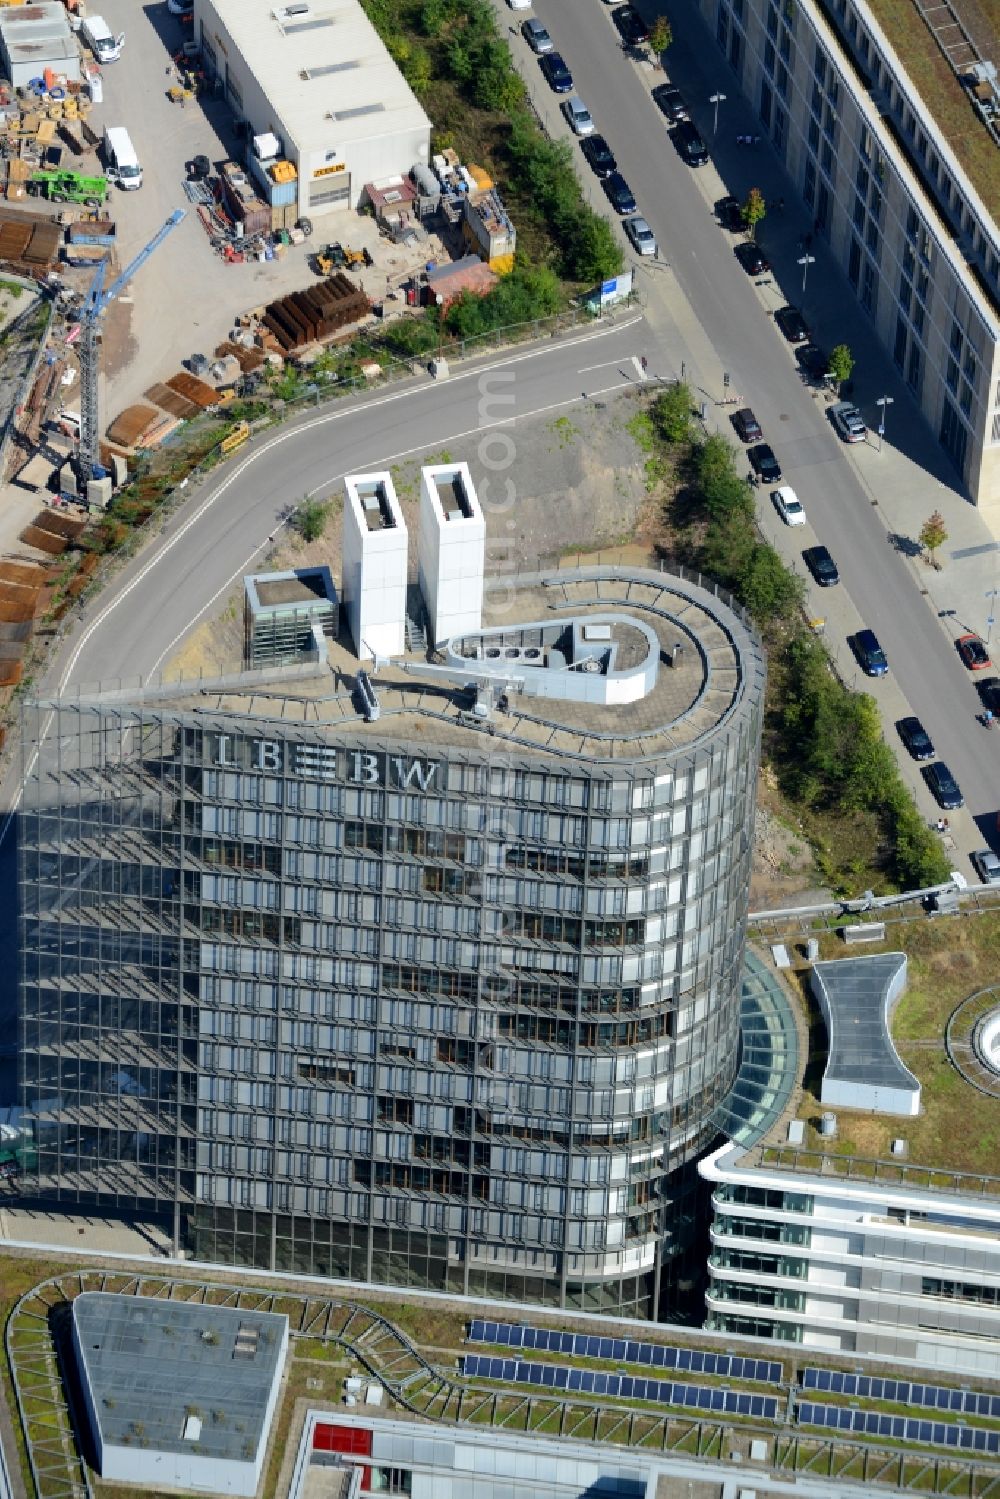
column 581, row 488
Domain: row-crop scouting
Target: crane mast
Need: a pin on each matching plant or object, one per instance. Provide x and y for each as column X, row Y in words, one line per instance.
column 96, row 302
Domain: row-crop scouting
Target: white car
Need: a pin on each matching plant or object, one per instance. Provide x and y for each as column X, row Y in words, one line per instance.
column 641, row 235
column 180, row 7
column 788, row 506
column 519, row 4
column 578, row 116
column 987, row 866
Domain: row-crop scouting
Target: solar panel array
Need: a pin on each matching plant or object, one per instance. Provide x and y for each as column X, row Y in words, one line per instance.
column 902, row 1392
column 901, row 1428
column 625, row 1351
column 558, row 1377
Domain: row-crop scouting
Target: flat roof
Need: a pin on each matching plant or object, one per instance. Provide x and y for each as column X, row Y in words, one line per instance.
column 324, row 68
column 857, row 996
column 304, row 587
column 717, row 672
column 38, row 33
column 936, row 85
column 159, row 1368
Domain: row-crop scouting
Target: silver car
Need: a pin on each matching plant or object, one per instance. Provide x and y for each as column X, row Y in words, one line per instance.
column 537, row 37
column 642, row 237
column 987, row 866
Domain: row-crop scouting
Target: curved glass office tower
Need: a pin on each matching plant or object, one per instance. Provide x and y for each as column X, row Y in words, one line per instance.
column 429, row 977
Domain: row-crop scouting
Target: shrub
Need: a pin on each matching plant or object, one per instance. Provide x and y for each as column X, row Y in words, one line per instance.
column 310, row 519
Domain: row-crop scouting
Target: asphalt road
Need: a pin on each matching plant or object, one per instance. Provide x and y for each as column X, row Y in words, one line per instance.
column 922, row 660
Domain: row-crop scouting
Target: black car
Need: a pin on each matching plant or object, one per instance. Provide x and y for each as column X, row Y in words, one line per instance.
column 915, row 738
column 747, row 426
column 600, row 157
column 729, row 213
column 631, row 27
column 943, row 786
column 812, row 361
column 689, row 144
column 989, row 693
column 792, row 324
column 764, row 464
column 821, row 565
column 668, row 98
column 557, row 74
column 752, row 258
column 619, row 193
column 871, row 656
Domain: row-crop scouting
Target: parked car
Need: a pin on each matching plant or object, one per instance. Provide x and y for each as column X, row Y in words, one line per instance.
column 578, row 116
column 519, row 4
column 752, row 258
column 943, row 786
column 748, row 428
column 690, row 144
column 669, row 100
column 557, row 74
column 821, row 565
column 180, row 7
column 729, row 213
column 599, row 155
column 847, row 419
column 987, row 866
column 989, row 693
column 642, row 237
column 788, row 506
column 916, row 740
column 871, row 656
column 792, row 324
column 619, row 193
column 973, row 652
column 537, row 37
column 631, row 27
column 812, row 361
column 764, row 464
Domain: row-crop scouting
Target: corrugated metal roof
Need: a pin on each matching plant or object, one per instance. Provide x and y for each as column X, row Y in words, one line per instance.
column 303, row 52
column 37, row 33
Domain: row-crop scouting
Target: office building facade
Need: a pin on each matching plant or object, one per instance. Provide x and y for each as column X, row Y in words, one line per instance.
column 444, row 996
column 906, row 200
column 855, row 1264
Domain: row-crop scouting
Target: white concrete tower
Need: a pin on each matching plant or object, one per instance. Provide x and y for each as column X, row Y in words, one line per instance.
column 451, row 550
column 375, row 556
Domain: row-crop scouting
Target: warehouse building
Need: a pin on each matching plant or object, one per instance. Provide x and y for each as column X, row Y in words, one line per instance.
column 36, row 37
column 436, row 984
column 320, row 94
column 903, row 184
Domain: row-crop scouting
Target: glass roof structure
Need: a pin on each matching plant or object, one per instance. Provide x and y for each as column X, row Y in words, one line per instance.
column 769, row 1058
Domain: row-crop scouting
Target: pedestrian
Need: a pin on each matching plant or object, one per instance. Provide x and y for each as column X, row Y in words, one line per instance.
column 644, row 362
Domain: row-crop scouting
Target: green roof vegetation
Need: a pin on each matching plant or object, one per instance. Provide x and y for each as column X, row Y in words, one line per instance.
column 945, row 98
column 958, row 1128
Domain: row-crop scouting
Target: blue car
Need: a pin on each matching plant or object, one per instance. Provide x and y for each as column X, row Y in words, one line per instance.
column 871, row 656
column 560, row 79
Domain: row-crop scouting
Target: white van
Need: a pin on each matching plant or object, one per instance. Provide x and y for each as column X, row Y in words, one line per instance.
column 101, row 40
column 121, row 163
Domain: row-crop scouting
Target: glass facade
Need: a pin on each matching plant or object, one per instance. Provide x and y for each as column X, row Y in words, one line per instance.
column 435, row 1011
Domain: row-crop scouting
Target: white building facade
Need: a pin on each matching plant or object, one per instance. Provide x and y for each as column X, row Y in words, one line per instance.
column 317, row 76
column 903, row 219
column 375, row 566
column 856, row 1266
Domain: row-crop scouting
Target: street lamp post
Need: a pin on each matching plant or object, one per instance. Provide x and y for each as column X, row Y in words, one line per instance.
column 716, row 99
column 991, row 617
column 885, row 402
column 805, row 261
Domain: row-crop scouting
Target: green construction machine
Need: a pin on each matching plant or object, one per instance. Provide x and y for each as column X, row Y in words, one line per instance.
column 69, row 187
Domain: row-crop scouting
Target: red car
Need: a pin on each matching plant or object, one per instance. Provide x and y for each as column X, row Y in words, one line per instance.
column 973, row 652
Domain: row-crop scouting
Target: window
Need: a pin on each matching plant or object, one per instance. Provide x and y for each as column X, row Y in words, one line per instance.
column 954, row 435
column 899, row 347
column 914, row 370
column 780, row 132
column 765, row 102
column 869, row 288
column 809, row 183
column 854, row 264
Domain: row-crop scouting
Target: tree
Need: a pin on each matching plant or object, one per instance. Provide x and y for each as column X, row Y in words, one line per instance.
column 753, row 210
column 933, row 535
column 841, row 364
column 310, row 518
column 661, row 34
column 590, row 251
column 672, row 413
